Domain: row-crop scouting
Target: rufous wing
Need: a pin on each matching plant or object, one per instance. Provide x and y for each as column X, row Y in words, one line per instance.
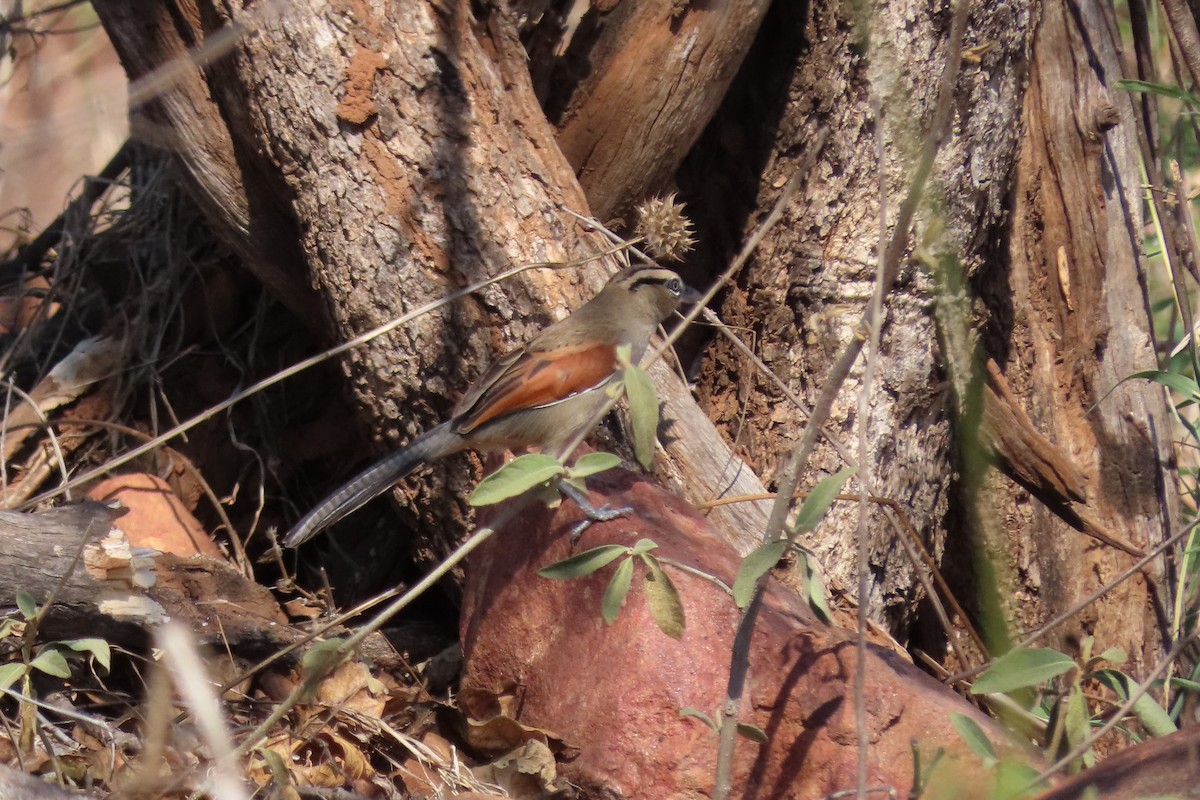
column 526, row 379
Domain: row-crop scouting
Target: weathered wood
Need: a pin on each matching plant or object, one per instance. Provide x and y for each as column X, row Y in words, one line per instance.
column 1038, row 464
column 1071, row 319
column 630, row 87
column 120, row 593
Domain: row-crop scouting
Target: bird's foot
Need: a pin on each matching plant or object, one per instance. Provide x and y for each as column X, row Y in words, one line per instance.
column 593, row 514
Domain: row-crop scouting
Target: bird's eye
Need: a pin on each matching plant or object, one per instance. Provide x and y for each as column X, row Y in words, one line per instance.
column 675, row 285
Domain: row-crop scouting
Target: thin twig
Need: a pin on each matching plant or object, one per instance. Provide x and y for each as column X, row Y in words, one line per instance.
column 865, row 465
column 9, row 23
column 916, row 551
column 313, row 678
column 1183, row 26
column 1087, row 601
column 93, row 188
column 187, row 669
column 37, row 409
column 751, row 244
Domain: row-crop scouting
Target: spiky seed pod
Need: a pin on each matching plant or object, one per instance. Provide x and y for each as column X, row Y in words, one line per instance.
column 664, row 227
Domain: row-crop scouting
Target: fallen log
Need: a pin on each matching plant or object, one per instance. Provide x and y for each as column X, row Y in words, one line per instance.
column 103, row 587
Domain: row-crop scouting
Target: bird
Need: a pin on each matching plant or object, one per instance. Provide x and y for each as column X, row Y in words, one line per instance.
column 542, row 394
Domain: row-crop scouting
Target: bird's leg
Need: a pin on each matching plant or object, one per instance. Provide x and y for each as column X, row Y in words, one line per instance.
column 593, row 514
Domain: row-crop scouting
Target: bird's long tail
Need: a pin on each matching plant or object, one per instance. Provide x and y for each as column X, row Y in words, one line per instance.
column 374, row 481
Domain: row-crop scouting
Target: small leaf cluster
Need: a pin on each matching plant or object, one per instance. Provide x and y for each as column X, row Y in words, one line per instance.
column 537, row 472
column 49, row 658
column 1011, row 778
column 662, row 597
column 767, row 555
column 1065, row 708
column 744, row 729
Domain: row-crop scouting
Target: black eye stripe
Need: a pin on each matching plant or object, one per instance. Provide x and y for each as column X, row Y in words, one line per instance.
column 670, row 281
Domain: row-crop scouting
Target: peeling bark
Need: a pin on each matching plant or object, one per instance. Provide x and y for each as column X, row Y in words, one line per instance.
column 1074, row 321
column 121, row 594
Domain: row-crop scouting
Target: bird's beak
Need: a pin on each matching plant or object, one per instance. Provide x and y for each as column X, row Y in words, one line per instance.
column 690, row 295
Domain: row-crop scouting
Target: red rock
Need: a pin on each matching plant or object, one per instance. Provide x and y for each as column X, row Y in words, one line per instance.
column 616, row 692
column 157, row 518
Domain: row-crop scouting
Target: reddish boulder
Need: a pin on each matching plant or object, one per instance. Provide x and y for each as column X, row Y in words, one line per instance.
column 616, row 692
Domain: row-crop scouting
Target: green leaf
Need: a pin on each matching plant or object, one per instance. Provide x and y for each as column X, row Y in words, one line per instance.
column 1113, row 655
column 1172, row 380
column 663, row 600
column 753, row 567
column 700, row 715
column 1022, row 667
column 1076, row 724
column 974, row 736
column 1016, row 781
column 51, row 662
column 752, row 732
column 322, row 658
column 1184, row 683
column 1154, row 719
column 584, row 563
column 6, row 627
column 820, row 499
column 624, row 355
column 593, row 463
column 11, row 673
column 1163, row 89
column 643, row 546
column 816, row 589
column 280, row 774
column 27, row 605
column 98, row 648
column 643, row 413
column 516, row 477
column 618, row 587
column 1180, row 383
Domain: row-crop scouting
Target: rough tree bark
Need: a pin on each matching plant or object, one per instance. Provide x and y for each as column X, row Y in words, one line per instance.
column 1070, row 318
column 803, row 295
column 630, row 87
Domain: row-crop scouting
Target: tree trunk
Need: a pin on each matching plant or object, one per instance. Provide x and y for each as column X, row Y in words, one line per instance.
column 803, row 296
column 634, row 86
column 1070, row 319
